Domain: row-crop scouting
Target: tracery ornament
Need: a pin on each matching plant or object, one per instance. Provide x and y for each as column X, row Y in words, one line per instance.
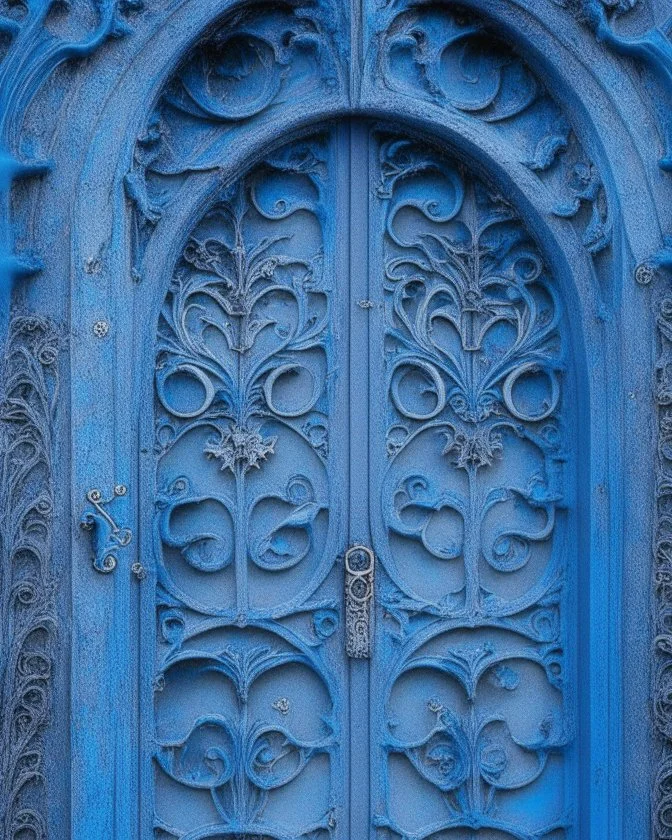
column 27, row 587
column 244, row 529
column 450, row 58
column 472, row 494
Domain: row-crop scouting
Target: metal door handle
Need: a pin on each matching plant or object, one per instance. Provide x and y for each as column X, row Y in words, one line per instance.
column 359, row 570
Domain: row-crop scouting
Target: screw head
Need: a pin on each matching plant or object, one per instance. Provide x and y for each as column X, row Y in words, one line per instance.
column 139, row 571
column 120, row 490
column 644, row 274
column 109, row 563
column 101, row 328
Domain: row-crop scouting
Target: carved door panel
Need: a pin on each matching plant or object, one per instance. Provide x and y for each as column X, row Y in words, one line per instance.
column 251, row 436
column 360, row 346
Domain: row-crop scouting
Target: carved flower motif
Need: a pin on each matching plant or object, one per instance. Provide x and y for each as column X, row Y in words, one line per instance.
column 241, row 448
column 477, row 448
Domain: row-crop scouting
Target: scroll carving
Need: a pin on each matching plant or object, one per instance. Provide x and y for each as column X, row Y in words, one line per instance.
column 256, row 60
column 246, row 703
column 449, row 58
column 27, row 610
column 473, row 533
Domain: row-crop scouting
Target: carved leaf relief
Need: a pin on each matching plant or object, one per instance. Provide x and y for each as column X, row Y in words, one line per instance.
column 472, row 531
column 245, row 710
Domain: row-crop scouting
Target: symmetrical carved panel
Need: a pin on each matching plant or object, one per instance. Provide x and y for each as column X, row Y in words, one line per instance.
column 478, row 705
column 27, row 586
column 247, row 702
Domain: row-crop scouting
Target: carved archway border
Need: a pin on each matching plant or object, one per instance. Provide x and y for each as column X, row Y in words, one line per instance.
column 457, row 132
column 95, row 268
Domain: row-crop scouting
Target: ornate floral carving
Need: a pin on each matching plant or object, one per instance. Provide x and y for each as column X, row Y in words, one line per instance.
column 449, row 58
column 472, row 493
column 27, row 611
column 240, row 448
column 244, row 344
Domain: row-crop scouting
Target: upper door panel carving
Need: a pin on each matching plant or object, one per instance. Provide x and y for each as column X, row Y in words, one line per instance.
column 475, row 643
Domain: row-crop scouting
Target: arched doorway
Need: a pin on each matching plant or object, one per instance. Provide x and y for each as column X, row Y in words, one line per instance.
column 365, row 557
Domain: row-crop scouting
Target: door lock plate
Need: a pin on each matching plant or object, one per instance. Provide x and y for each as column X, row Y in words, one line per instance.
column 359, row 569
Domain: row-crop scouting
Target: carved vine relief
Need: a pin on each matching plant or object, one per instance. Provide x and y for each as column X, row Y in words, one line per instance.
column 247, row 702
column 478, row 698
column 662, row 798
column 27, row 609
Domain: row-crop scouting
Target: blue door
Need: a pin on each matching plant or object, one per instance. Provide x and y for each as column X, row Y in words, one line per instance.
column 363, row 573
column 335, row 464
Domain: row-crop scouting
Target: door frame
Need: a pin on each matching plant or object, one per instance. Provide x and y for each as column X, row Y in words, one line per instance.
column 87, row 284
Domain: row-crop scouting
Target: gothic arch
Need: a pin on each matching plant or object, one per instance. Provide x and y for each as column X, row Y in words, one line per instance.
column 123, row 84
column 565, row 243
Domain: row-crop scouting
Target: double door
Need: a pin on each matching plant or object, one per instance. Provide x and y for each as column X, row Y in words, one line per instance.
column 358, row 548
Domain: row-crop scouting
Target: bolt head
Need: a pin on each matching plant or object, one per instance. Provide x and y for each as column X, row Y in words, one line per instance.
column 109, row 563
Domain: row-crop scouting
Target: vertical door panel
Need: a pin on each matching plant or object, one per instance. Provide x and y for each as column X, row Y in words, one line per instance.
column 250, row 446
column 473, row 705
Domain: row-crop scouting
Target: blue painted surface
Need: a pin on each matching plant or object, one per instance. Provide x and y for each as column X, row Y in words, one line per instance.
column 469, row 447
column 329, row 275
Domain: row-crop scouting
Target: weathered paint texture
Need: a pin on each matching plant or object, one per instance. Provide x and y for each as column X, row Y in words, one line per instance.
column 335, row 423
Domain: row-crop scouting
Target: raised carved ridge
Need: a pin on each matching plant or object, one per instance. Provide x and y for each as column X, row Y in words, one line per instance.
column 27, row 611
column 32, row 51
column 653, row 49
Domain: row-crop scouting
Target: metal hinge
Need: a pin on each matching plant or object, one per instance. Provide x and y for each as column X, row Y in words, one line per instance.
column 106, row 535
column 359, row 569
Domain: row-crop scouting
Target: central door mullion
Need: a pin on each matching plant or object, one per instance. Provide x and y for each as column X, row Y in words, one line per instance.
column 356, row 136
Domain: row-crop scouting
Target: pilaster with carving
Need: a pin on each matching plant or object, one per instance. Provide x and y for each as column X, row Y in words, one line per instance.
column 27, row 585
